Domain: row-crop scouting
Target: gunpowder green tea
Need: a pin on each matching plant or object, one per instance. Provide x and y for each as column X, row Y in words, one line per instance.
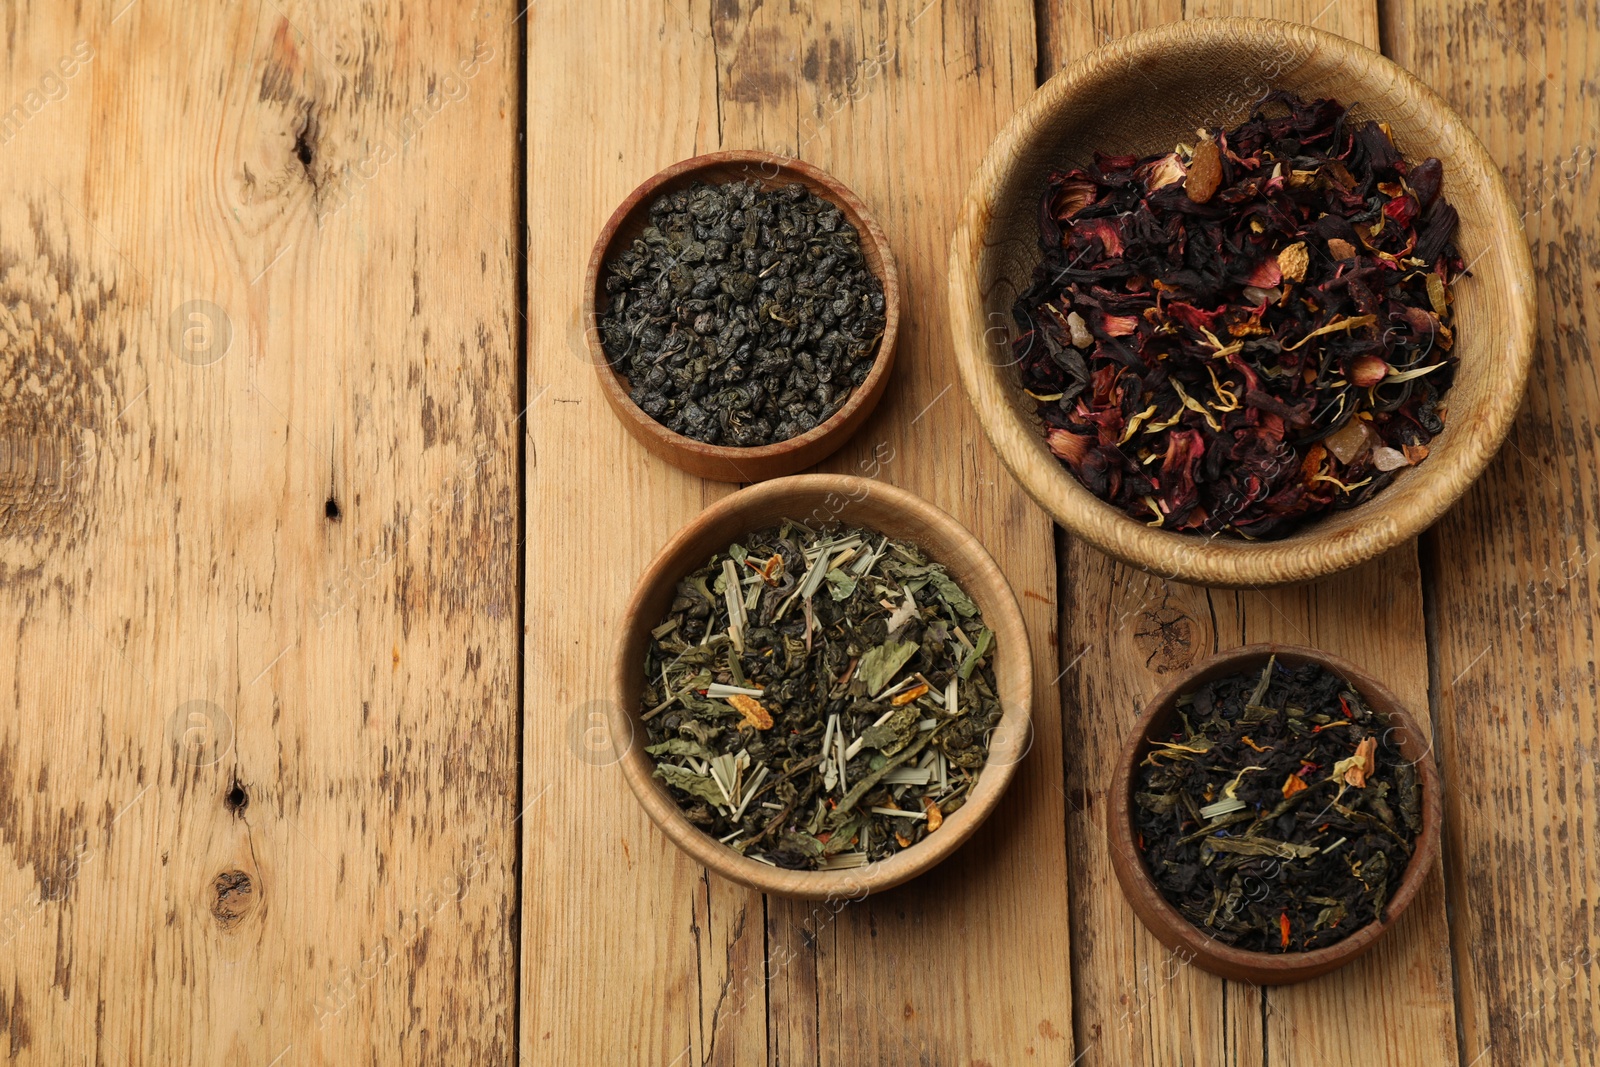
column 1282, row 816
column 820, row 698
column 743, row 316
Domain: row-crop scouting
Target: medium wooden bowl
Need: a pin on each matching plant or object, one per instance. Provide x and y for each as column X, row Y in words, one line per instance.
column 855, row 501
column 1159, row 719
column 1147, row 92
column 725, row 463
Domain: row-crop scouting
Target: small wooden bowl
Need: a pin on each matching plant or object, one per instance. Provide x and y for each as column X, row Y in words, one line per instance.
column 1143, row 94
column 1166, row 922
column 725, row 463
column 855, row 501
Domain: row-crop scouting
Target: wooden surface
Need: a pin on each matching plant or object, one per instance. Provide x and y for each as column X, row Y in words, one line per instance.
column 286, row 782
column 334, row 882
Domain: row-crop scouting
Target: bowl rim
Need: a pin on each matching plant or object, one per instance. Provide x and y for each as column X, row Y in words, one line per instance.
column 1009, row 743
column 1168, row 924
column 1302, row 556
column 672, row 443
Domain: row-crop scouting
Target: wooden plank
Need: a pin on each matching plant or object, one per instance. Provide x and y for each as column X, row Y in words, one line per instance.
column 256, row 777
column 653, row 932
column 1136, row 1003
column 970, row 964
column 1512, row 572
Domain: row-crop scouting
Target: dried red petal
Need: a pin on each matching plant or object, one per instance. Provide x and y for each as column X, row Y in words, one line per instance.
column 1368, row 371
column 1119, row 325
column 1071, row 197
column 1266, row 274
column 1068, row 445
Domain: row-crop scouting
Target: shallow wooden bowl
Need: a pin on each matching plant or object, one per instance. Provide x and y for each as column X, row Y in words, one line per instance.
column 818, row 498
column 725, row 463
column 1191, row 943
column 1147, row 92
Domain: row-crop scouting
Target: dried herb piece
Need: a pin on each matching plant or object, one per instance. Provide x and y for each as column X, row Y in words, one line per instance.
column 1244, row 334
column 1282, row 816
column 824, row 710
column 742, row 316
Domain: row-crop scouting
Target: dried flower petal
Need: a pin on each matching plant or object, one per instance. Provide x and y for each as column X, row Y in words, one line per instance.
column 935, row 816
column 754, row 714
column 1436, row 296
column 1293, row 261
column 1368, row 371
column 1292, row 785
column 1162, row 172
column 1355, row 770
column 901, row 699
column 770, row 571
column 1070, row 446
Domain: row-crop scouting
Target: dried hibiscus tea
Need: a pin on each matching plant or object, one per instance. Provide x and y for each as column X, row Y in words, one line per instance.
column 1282, row 816
column 1244, row 333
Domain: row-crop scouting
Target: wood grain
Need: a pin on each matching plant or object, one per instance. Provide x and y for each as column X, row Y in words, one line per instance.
column 257, row 773
column 259, row 796
column 1122, row 631
column 970, row 963
column 1512, row 572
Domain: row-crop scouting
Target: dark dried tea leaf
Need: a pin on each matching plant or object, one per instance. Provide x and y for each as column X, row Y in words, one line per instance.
column 818, row 699
column 1242, row 335
column 1282, row 816
column 742, row 316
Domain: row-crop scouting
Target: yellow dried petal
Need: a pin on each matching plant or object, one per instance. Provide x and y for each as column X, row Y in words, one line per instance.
column 754, row 714
column 1436, row 295
column 909, row 695
column 1293, row 261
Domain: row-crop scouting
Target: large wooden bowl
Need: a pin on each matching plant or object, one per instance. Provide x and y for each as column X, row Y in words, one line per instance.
column 1147, row 92
column 1159, row 720
column 853, row 501
column 725, row 463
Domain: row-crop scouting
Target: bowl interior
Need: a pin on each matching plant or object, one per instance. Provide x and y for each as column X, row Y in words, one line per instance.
column 853, row 501
column 632, row 217
column 1145, row 94
column 1161, row 719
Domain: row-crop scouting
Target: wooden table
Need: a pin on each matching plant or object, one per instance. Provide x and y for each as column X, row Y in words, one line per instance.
column 314, row 532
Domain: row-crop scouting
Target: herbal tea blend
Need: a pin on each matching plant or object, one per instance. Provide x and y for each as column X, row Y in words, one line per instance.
column 820, row 699
column 1246, row 332
column 743, row 316
column 1282, row 816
